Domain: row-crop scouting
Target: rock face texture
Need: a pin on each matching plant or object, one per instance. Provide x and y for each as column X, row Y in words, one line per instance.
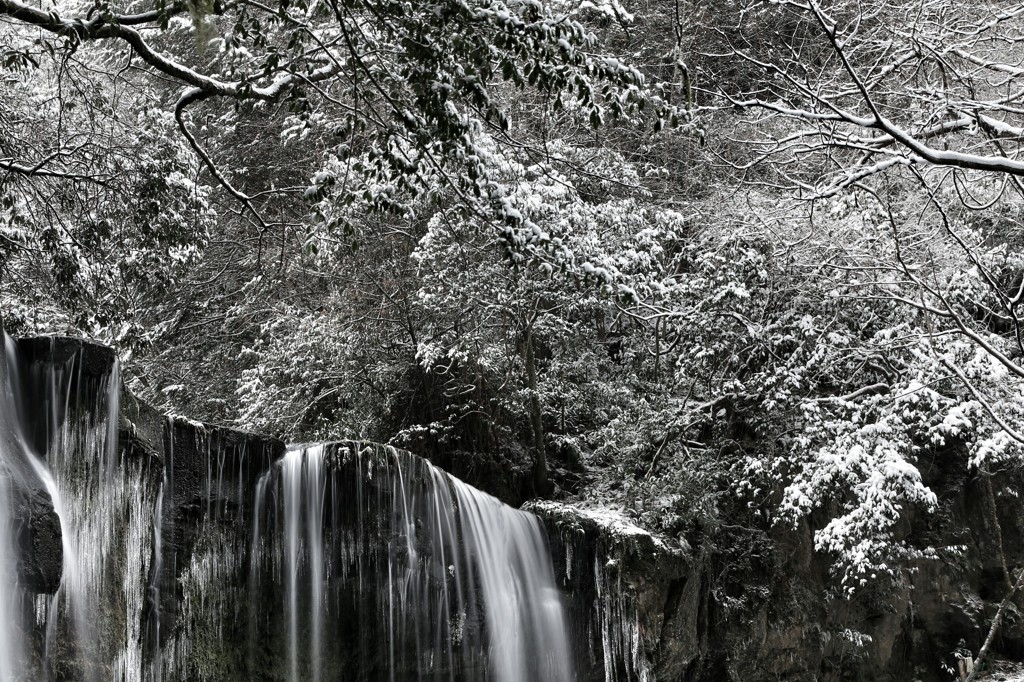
column 738, row 600
column 749, row 602
column 139, row 489
column 209, row 475
column 623, row 588
column 41, row 552
column 635, row 601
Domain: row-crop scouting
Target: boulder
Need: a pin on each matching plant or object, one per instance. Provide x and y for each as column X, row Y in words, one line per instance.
column 38, row 532
column 633, row 598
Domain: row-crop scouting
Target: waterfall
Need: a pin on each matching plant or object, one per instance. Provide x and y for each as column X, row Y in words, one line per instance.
column 139, row 548
column 59, row 424
column 10, row 597
column 11, row 653
column 438, row 580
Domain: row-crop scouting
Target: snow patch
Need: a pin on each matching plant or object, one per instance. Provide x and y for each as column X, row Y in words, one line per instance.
column 612, row 522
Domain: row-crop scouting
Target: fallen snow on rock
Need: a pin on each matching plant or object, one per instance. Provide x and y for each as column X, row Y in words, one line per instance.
column 611, row 521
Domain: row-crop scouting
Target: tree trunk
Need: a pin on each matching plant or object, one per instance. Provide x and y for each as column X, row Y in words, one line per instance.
column 993, row 629
column 1013, row 586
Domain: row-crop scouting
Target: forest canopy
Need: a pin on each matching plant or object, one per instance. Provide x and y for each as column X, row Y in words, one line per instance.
column 675, row 257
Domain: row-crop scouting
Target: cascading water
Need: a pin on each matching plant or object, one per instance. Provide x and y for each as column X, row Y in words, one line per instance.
column 11, row 654
column 59, row 422
column 10, row 615
column 191, row 552
column 424, row 577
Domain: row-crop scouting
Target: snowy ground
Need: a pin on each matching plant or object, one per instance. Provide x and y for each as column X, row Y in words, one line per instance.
column 1005, row 671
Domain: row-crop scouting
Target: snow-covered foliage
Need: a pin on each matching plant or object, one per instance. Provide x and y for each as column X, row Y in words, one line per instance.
column 102, row 209
column 449, row 225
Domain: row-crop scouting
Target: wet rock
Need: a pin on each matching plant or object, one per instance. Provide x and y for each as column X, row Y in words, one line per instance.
column 210, row 473
column 633, row 598
column 90, row 359
column 41, row 553
column 140, row 428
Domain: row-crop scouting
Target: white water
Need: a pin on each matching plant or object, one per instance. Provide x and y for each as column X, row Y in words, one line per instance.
column 154, row 667
column 434, row 580
column 524, row 610
column 11, row 653
column 292, row 480
column 10, row 597
column 452, row 556
column 66, row 442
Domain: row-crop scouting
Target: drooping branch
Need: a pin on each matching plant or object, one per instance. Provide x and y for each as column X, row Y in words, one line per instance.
column 40, row 170
column 190, row 97
column 99, row 28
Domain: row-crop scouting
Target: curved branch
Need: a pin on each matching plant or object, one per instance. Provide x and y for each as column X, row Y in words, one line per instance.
column 826, row 109
column 99, row 29
column 190, row 97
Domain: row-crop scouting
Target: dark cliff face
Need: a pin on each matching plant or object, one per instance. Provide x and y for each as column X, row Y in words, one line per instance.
column 41, row 553
column 744, row 602
column 634, row 601
column 210, row 473
column 206, row 493
column 750, row 602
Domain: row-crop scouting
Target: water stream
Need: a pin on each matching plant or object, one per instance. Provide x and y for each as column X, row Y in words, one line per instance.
column 202, row 555
column 460, row 583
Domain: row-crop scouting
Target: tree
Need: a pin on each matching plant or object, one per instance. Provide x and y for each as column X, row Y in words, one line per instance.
column 450, row 226
column 419, row 106
column 862, row 91
column 100, row 204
